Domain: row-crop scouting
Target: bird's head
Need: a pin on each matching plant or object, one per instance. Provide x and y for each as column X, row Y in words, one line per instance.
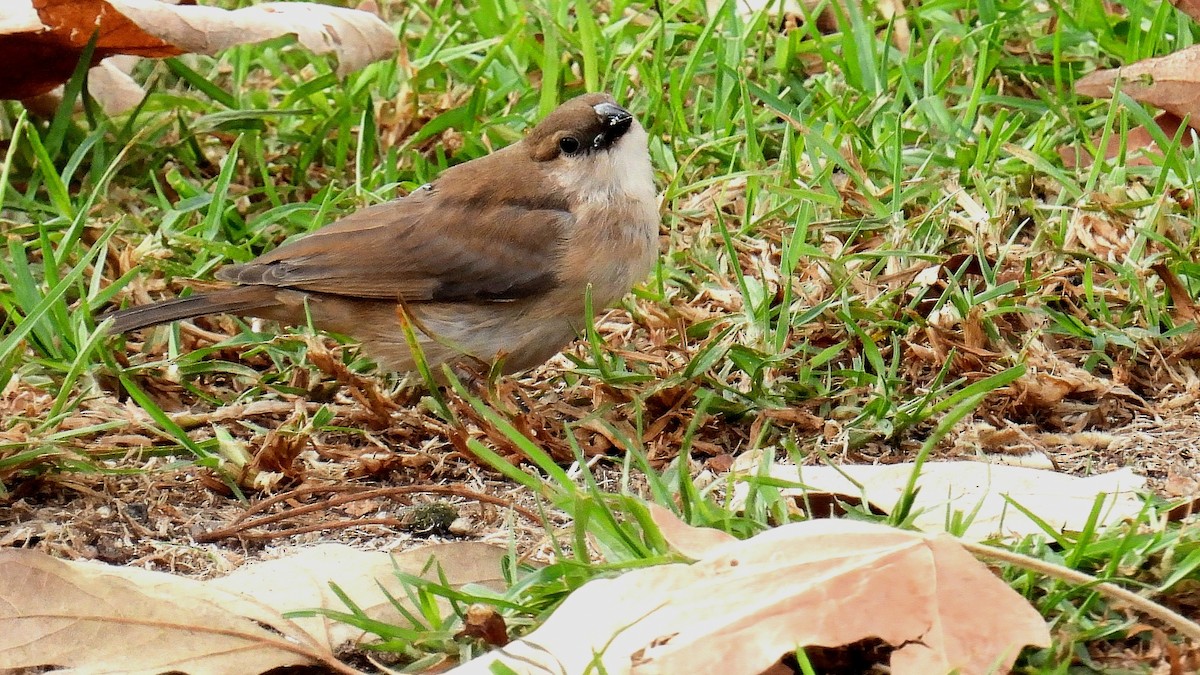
column 594, row 148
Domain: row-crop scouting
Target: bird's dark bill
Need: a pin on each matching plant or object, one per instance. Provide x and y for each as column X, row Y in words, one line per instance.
column 614, row 122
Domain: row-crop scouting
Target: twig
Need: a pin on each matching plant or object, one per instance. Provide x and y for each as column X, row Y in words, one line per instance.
column 191, row 420
column 244, row 522
column 1181, row 623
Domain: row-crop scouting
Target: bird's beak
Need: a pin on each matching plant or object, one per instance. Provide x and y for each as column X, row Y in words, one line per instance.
column 614, row 120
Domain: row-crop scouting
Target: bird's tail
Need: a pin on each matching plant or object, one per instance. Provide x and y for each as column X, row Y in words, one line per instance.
column 236, row 300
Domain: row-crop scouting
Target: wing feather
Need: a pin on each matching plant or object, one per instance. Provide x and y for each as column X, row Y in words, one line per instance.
column 425, row 247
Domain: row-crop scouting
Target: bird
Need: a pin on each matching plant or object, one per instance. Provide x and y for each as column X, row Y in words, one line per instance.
column 492, row 262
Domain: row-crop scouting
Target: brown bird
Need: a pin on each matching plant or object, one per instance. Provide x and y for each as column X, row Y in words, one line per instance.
column 492, row 260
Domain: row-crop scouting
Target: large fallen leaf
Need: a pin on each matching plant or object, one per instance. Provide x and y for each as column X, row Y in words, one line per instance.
column 42, row 40
column 112, row 86
column 100, row 618
column 1169, row 82
column 1189, row 7
column 1137, row 144
column 953, row 491
column 744, row 604
column 302, row 581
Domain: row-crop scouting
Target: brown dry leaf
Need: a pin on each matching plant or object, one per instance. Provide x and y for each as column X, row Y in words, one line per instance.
column 745, row 604
column 1169, row 82
column 41, row 51
column 100, row 618
column 44, row 39
column 1138, row 142
column 302, row 581
column 280, row 449
column 693, row 542
column 963, row 488
column 142, row 621
column 484, row 622
column 1189, row 7
column 1050, row 379
column 1045, row 390
column 112, row 87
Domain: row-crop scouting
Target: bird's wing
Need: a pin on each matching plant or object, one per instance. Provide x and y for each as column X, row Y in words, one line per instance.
column 421, row 248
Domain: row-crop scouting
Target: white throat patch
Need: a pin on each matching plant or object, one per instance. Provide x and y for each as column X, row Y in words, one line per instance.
column 622, row 172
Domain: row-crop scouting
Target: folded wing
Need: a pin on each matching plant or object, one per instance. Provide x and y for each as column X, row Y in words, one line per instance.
column 423, row 248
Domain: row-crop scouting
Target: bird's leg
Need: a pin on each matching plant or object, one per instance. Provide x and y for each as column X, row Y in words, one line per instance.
column 475, row 374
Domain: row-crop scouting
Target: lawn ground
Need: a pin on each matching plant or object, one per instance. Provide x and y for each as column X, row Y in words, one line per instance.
column 871, row 252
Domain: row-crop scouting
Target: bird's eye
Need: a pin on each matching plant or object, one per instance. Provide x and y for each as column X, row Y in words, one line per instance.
column 568, row 144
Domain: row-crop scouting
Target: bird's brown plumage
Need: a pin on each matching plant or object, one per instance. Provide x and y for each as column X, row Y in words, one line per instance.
column 492, row 259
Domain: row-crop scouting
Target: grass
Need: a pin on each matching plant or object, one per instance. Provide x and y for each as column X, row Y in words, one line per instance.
column 866, row 249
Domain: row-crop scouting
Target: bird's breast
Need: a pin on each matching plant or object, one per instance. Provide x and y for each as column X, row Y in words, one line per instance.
column 613, row 248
